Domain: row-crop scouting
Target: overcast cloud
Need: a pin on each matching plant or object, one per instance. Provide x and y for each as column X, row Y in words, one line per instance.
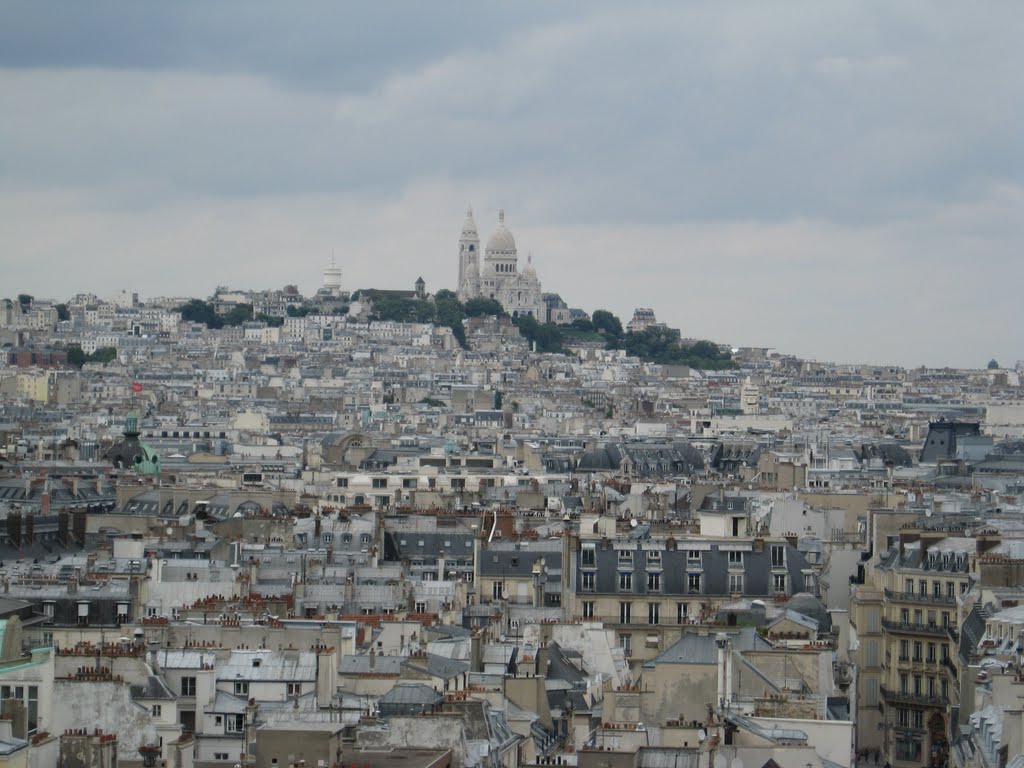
column 842, row 181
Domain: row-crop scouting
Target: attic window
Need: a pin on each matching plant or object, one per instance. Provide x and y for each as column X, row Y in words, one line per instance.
column 256, row 662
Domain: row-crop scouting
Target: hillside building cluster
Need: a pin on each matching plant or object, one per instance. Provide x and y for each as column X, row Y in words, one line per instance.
column 338, row 542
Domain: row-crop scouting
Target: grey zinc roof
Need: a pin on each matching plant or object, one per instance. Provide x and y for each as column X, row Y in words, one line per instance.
column 178, row 659
column 154, row 688
column 227, row 704
column 269, row 666
column 437, row 666
column 693, row 648
column 360, row 665
column 411, row 693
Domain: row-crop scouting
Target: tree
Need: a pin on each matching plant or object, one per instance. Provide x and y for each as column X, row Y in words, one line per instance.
column 545, row 337
column 993, row 364
column 25, row 300
column 103, row 355
column 238, row 314
column 63, row 315
column 606, row 323
column 199, row 311
column 499, row 398
column 271, row 320
column 76, row 356
column 482, row 306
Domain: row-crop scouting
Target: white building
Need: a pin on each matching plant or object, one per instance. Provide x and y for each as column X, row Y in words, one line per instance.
column 498, row 277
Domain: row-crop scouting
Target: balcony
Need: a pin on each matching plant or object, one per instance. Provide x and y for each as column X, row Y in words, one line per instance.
column 916, row 597
column 949, row 665
column 912, row 628
column 920, row 700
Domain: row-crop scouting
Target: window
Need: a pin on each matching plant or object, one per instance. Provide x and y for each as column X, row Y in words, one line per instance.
column 917, row 650
column 871, row 693
column 918, row 616
column 587, row 582
column 626, row 644
column 343, row 482
column 409, row 482
column 188, row 686
column 904, row 681
column 809, row 583
column 908, row 749
column 220, row 756
column 917, row 685
column 496, row 589
column 779, row 583
column 902, row 717
column 682, row 612
column 380, row 482
column 871, row 652
column 945, row 688
column 908, row 586
column 778, row 556
column 917, row 718
column 937, row 589
column 931, row 653
column 950, row 589
column 735, row 559
column 905, row 615
column 588, row 609
column 693, row 557
column 626, row 581
column 923, row 587
column 736, row 582
column 693, row 582
column 29, row 697
column 653, row 582
column 588, row 556
column 625, row 613
column 420, row 607
column 83, row 614
column 122, row 613
column 945, row 619
column 653, row 613
column 294, row 689
column 904, row 650
column 945, row 651
column 156, row 710
column 234, row 723
column 241, row 688
column 625, row 557
column 654, row 558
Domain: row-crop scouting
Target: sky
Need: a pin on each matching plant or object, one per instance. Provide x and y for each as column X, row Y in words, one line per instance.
column 842, row 181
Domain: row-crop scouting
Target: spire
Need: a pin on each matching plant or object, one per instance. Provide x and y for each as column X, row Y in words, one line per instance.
column 501, row 215
column 469, row 225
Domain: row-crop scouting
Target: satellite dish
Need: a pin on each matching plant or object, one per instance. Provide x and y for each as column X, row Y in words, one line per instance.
column 928, row 512
column 701, row 735
column 633, row 523
column 736, row 763
column 504, row 594
column 720, row 761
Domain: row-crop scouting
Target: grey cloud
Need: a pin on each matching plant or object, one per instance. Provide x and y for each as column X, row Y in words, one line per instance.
column 823, row 149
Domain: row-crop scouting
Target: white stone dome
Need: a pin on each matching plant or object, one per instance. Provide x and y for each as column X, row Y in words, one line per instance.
column 529, row 273
column 501, row 240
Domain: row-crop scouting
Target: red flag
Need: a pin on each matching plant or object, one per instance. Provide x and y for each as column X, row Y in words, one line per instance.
column 136, row 386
